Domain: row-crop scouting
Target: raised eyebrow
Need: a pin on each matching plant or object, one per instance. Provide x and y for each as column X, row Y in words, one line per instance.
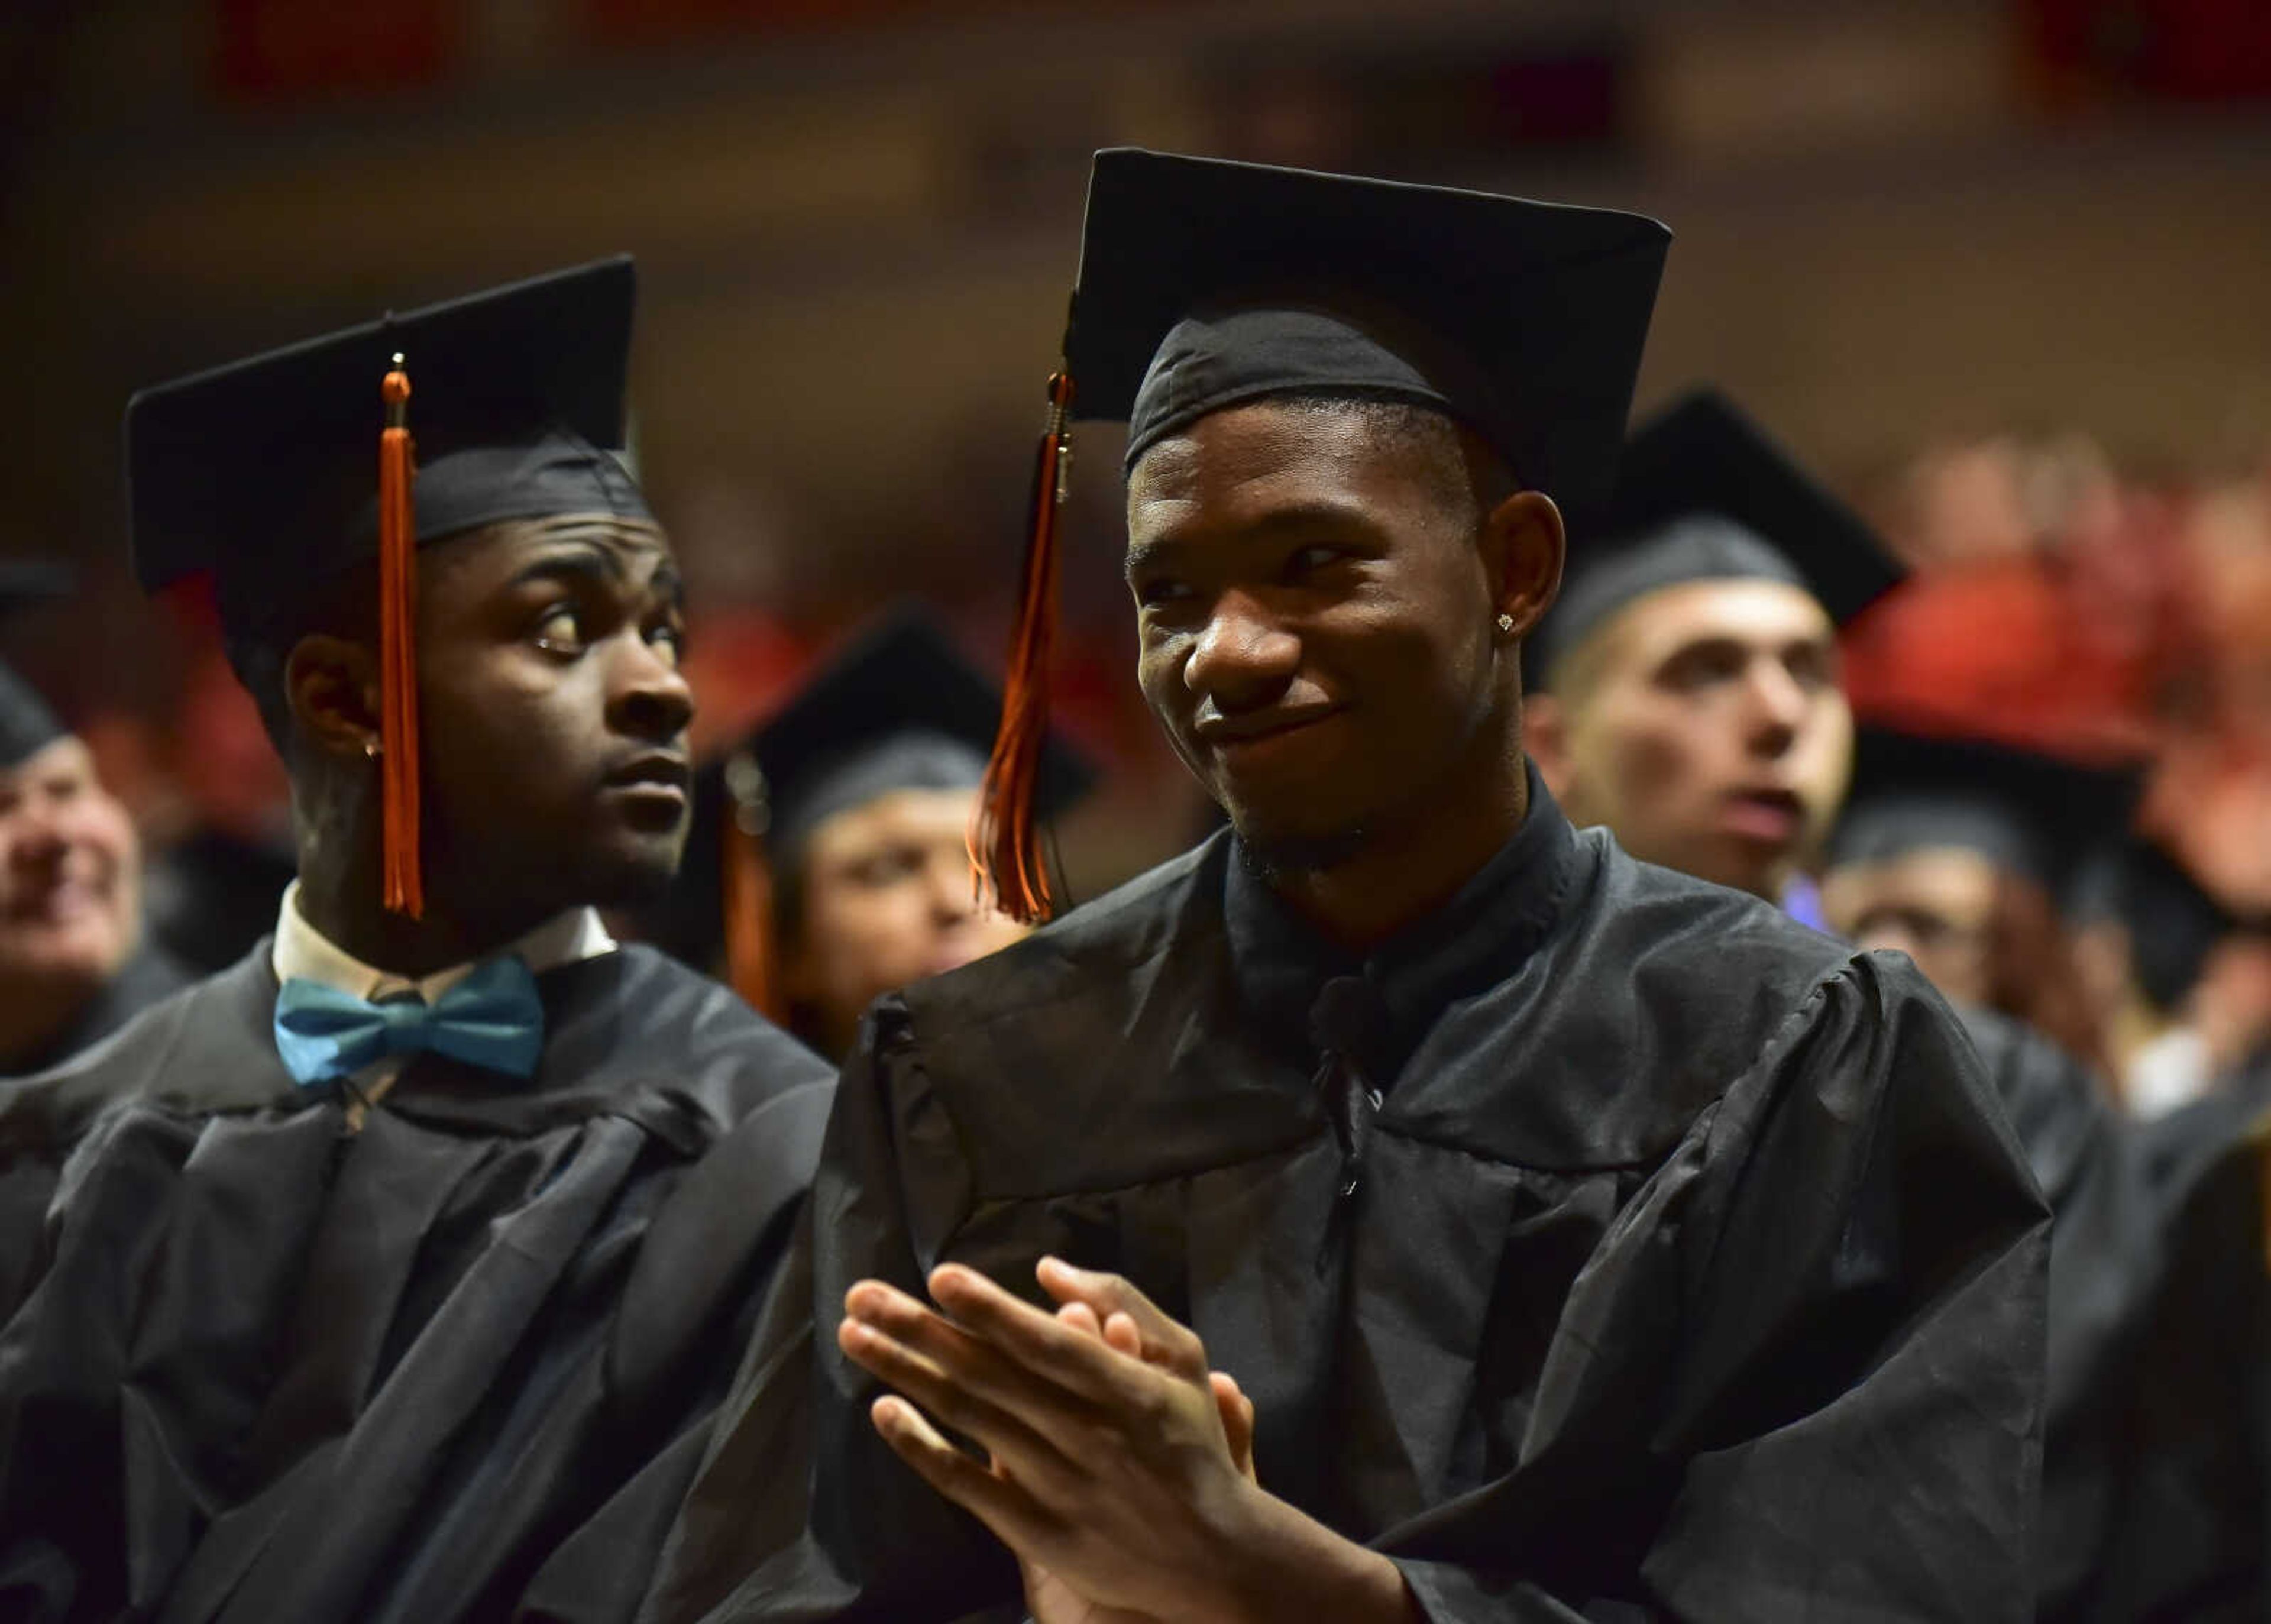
column 1143, row 555
column 1713, row 644
column 589, row 561
column 574, row 561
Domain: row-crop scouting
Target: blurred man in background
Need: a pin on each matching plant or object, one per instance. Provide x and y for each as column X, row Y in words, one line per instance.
column 1960, row 852
column 829, row 860
column 1691, row 704
column 1684, row 689
column 73, row 962
column 2166, row 965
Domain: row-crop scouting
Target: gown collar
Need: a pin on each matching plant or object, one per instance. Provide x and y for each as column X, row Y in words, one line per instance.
column 1482, row 936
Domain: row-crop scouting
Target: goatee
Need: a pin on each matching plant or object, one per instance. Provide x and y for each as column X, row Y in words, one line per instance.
column 1274, row 859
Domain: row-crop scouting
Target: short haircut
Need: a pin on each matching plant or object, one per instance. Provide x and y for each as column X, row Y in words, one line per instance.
column 1462, row 468
column 345, row 607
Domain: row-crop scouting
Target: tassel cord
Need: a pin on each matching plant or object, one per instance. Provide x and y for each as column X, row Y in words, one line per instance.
column 404, row 877
column 1005, row 852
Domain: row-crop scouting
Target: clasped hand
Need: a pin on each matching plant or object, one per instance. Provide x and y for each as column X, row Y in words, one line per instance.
column 1118, row 1468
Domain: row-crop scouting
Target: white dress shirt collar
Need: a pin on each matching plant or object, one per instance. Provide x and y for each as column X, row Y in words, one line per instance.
column 301, row 951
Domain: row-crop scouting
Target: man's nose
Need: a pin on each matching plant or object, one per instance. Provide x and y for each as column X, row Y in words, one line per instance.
column 650, row 696
column 34, row 837
column 953, row 893
column 1777, row 707
column 1244, row 657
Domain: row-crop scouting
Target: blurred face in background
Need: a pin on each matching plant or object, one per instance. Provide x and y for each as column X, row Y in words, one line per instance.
column 69, row 878
column 1937, row 904
column 1703, row 724
column 885, row 899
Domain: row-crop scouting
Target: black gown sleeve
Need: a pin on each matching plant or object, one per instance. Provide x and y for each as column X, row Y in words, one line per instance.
column 2104, row 1257
column 1852, row 1420
column 728, row 1254
column 2188, row 1424
column 766, row 1531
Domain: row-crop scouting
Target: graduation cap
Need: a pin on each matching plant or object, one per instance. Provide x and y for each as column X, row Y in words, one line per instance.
column 2031, row 813
column 1704, row 494
column 2171, row 921
column 898, row 708
column 278, row 475
column 1206, row 284
column 28, row 724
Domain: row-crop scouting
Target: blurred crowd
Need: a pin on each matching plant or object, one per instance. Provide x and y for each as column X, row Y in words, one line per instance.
column 2117, row 618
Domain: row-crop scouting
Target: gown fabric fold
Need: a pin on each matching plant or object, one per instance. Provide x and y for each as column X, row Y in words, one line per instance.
column 1607, row 1245
column 2104, row 1261
column 2187, row 1421
column 256, row 1366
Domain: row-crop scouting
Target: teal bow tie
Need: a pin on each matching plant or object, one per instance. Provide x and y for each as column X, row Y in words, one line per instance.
column 493, row 1018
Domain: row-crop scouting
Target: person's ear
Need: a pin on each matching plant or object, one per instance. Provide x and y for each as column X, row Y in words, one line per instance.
column 1523, row 546
column 1546, row 736
column 331, row 685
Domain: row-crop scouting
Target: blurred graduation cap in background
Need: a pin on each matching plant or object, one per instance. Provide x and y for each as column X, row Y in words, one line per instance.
column 1702, row 493
column 898, row 708
column 2029, row 814
column 28, row 724
column 1205, row 283
column 2171, row 921
column 279, row 475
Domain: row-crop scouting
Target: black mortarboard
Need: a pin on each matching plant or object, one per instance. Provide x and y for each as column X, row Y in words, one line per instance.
column 2171, row 921
column 27, row 723
column 279, row 474
column 264, row 471
column 1703, row 493
column 898, row 708
column 1205, row 283
column 2031, row 813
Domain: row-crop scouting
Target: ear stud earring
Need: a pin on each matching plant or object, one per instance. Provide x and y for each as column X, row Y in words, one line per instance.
column 1505, row 623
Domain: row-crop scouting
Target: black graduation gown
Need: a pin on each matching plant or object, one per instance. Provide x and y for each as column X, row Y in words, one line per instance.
column 258, row 1367
column 2189, row 1422
column 151, row 975
column 1686, row 1263
column 2104, row 1255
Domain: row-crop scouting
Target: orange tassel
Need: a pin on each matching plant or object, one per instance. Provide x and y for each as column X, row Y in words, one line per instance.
column 398, row 658
column 1004, row 840
column 746, row 879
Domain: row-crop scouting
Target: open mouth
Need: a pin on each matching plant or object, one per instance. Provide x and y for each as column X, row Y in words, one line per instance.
column 60, row 903
column 1769, row 815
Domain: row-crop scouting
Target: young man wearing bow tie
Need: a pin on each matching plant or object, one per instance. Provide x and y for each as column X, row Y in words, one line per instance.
column 393, row 1270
